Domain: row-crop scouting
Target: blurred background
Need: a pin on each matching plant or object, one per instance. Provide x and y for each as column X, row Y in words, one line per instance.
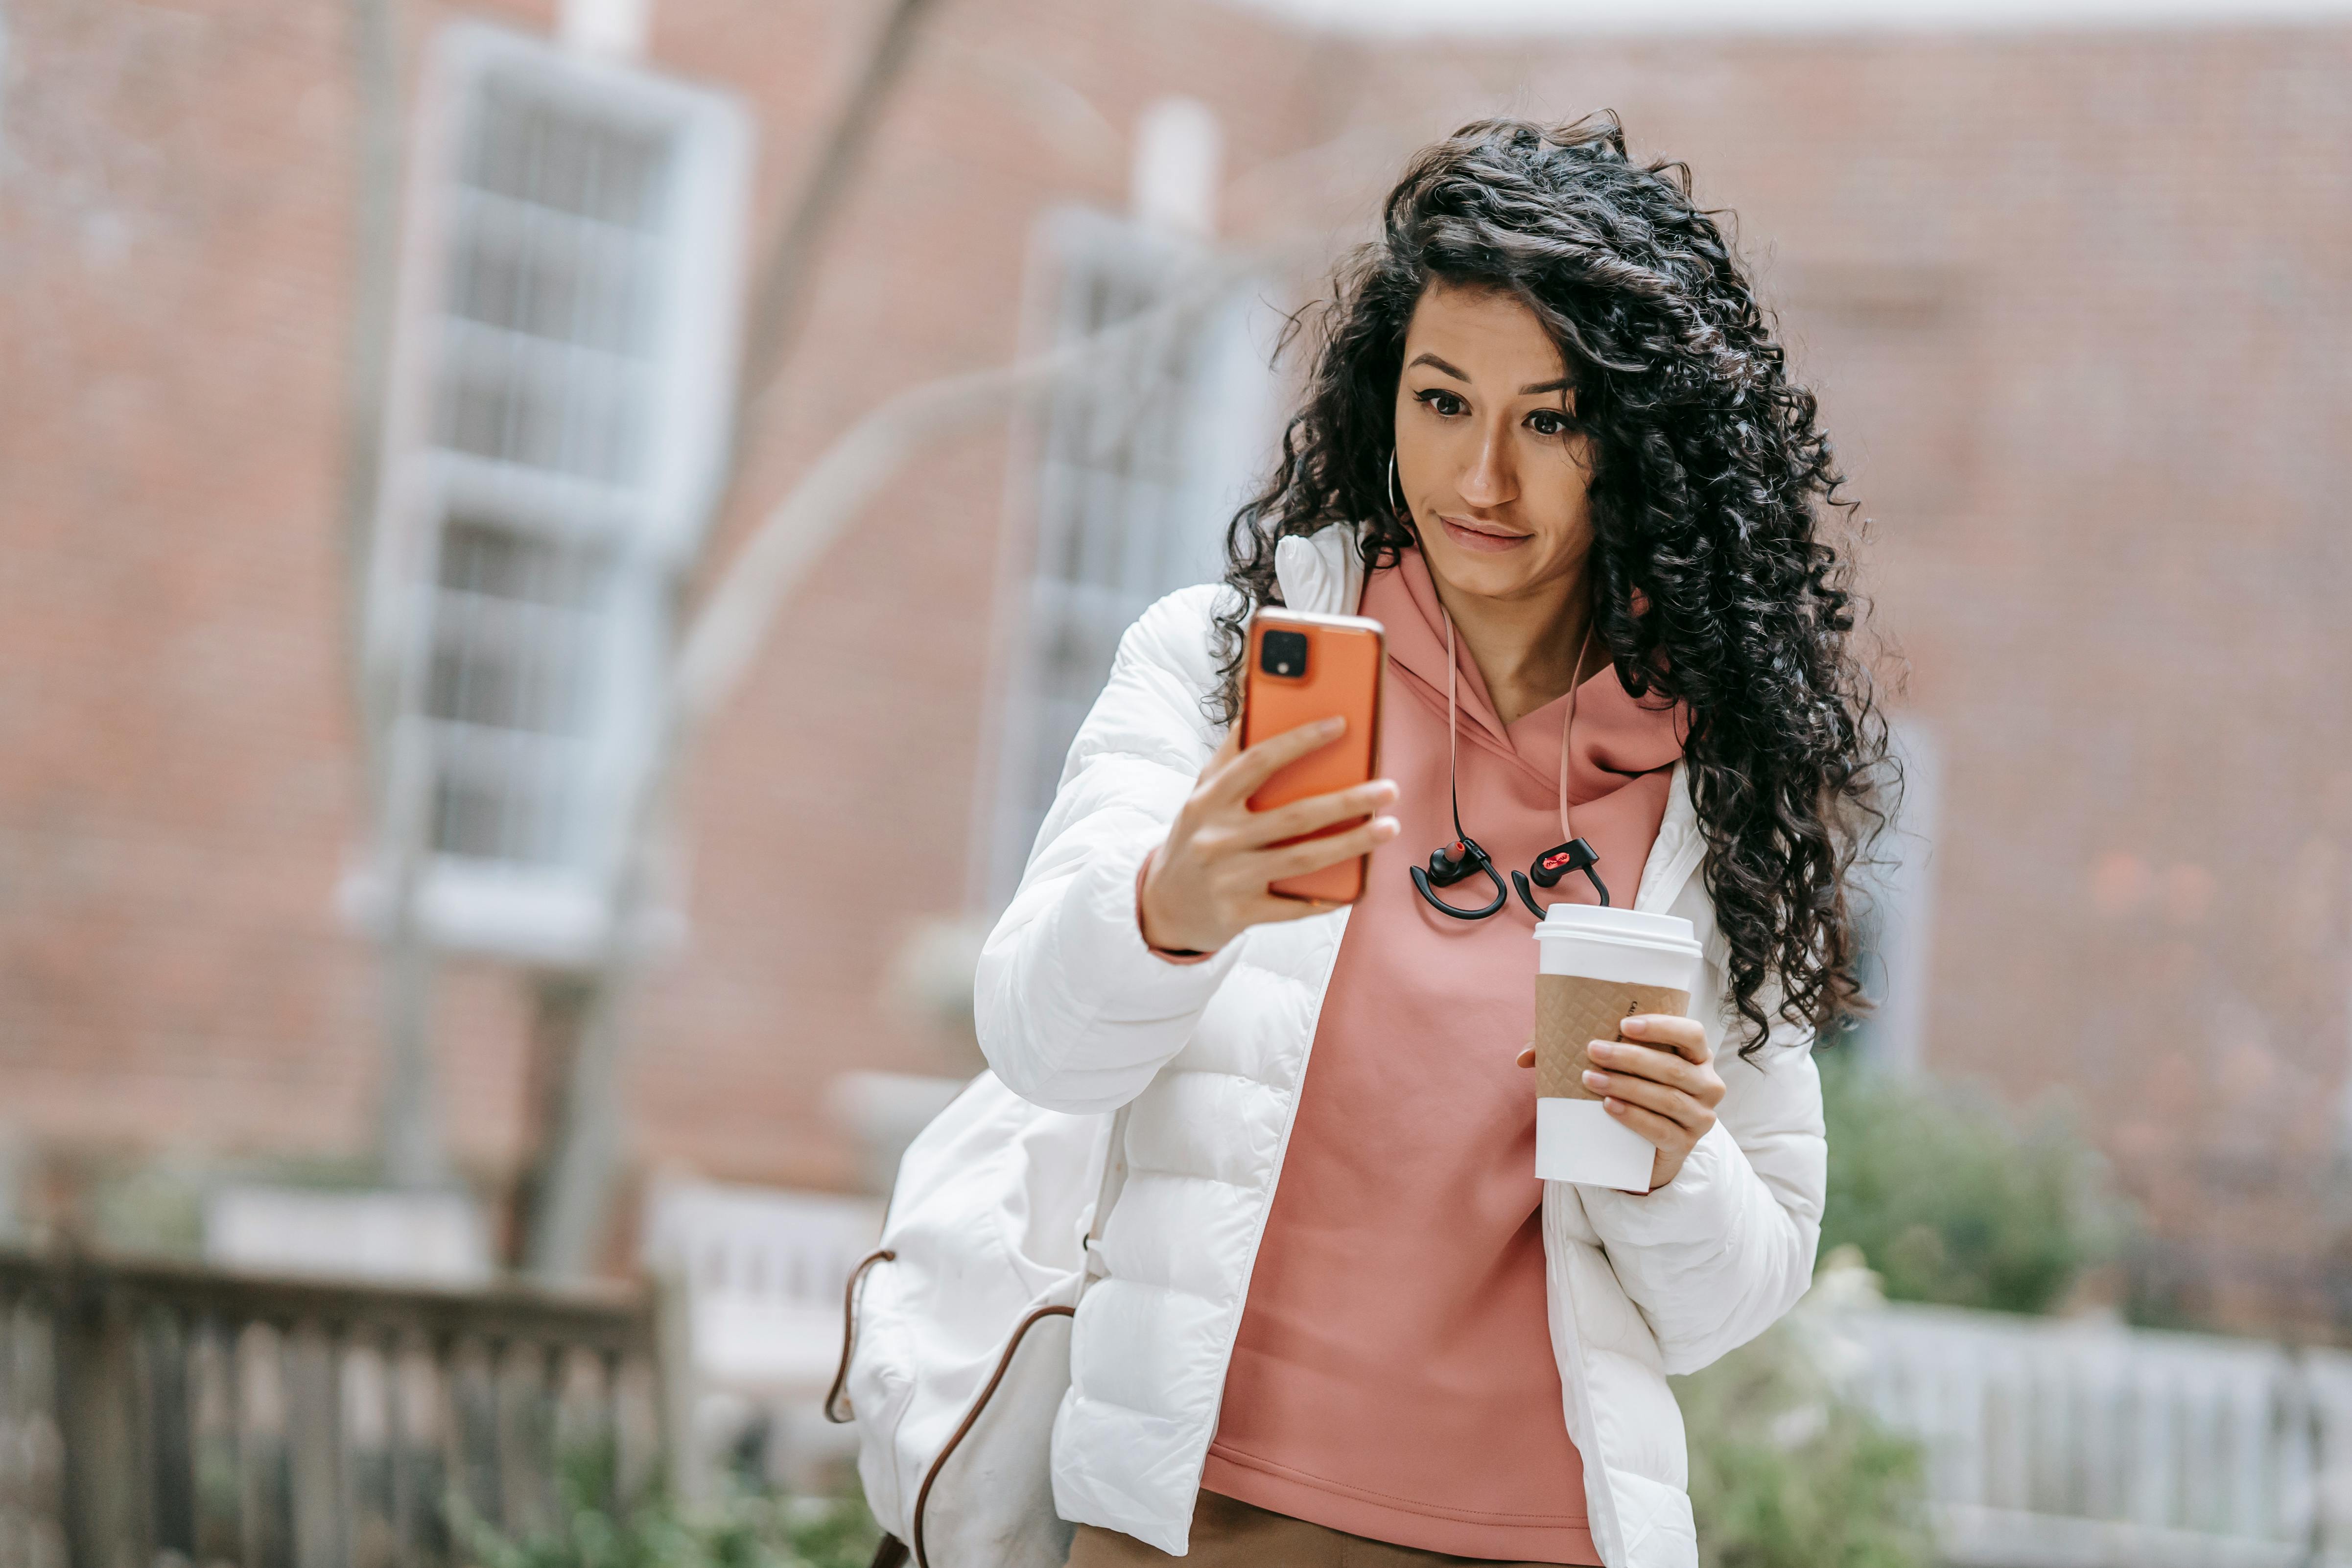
column 554, row 550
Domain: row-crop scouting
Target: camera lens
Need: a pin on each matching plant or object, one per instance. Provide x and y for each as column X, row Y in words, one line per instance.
column 1282, row 654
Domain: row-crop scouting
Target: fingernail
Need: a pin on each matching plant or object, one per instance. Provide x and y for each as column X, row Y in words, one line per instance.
column 1386, row 828
column 1634, row 1025
column 1596, row 1079
column 1614, row 1107
column 1331, row 726
column 1600, row 1050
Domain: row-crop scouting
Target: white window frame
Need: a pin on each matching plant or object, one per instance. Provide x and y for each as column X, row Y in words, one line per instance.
column 1224, row 393
column 552, row 913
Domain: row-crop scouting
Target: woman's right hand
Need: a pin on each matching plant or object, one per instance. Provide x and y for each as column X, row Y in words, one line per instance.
column 1208, row 882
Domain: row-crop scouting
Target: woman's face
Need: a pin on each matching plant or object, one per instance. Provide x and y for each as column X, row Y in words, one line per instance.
column 1495, row 478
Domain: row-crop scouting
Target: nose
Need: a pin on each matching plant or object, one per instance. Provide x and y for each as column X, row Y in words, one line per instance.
column 1490, row 480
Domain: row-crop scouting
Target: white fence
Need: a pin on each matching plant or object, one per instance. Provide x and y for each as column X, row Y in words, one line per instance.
column 2050, row 1442
column 2056, row 1443
column 754, row 1278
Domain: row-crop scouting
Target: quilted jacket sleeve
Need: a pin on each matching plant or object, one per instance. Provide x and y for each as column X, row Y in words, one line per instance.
column 1715, row 1257
column 1074, row 1013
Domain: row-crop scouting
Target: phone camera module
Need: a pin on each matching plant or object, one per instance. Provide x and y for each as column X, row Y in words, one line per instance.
column 1282, row 654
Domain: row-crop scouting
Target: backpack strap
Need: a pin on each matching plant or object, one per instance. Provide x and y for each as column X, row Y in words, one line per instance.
column 836, row 1411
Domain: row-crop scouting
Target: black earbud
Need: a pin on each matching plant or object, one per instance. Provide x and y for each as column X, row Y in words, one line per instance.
column 1458, row 861
column 1557, row 862
column 1560, row 860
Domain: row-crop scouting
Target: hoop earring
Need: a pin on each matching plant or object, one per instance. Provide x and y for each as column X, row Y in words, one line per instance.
column 1395, row 497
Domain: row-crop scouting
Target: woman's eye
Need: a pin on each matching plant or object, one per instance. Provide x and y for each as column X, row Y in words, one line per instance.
column 1548, row 422
column 1444, row 403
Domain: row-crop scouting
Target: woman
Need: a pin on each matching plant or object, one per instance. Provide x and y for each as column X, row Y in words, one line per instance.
column 1551, row 445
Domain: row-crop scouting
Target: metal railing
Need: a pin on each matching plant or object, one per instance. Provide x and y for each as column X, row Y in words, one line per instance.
column 156, row 1412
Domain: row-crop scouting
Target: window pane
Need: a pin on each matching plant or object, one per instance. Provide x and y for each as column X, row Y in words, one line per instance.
column 553, row 269
column 517, row 621
column 529, row 146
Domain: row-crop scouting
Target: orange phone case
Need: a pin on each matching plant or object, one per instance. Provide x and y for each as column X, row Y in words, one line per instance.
column 1347, row 656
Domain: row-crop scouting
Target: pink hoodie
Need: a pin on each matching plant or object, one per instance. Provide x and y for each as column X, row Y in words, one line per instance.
column 1393, row 1376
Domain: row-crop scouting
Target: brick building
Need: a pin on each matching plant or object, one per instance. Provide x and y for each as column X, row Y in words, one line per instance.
column 2076, row 300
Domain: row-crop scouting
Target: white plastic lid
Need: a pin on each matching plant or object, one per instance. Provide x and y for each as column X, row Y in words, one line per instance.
column 1614, row 924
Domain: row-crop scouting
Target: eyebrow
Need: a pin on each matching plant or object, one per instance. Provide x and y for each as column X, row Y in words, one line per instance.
column 1560, row 384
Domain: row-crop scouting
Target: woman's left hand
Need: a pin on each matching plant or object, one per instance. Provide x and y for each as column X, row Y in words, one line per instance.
column 1660, row 1081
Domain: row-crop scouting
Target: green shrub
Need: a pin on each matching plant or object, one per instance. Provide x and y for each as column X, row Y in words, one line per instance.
column 744, row 1530
column 1953, row 1200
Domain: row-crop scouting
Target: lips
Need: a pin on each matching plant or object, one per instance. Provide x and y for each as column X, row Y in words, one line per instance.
column 1472, row 537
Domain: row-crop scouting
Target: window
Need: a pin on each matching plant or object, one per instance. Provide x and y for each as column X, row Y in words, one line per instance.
column 1131, row 480
column 558, row 404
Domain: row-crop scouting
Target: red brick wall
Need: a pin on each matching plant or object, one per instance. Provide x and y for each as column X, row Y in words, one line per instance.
column 2078, row 306
column 179, row 787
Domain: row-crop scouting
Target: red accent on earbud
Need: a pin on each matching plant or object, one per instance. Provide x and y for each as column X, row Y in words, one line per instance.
column 1553, row 863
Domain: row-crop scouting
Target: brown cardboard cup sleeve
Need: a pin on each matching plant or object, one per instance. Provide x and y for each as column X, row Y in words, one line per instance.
column 1577, row 1140
column 1571, row 1012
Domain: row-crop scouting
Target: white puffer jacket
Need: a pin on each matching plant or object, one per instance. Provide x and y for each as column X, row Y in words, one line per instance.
column 1076, row 1015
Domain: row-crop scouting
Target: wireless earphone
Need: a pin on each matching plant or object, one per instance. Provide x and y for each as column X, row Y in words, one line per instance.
column 1463, row 859
column 1555, row 864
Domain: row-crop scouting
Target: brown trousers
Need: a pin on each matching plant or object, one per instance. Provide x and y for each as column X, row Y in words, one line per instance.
column 1228, row 1533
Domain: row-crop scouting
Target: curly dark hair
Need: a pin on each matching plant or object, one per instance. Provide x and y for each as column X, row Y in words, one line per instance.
column 1711, row 585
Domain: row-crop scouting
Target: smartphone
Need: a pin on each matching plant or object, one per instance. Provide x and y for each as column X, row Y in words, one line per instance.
column 1301, row 668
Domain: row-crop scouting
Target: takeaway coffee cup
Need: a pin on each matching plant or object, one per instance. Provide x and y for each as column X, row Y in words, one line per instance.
column 1597, row 966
